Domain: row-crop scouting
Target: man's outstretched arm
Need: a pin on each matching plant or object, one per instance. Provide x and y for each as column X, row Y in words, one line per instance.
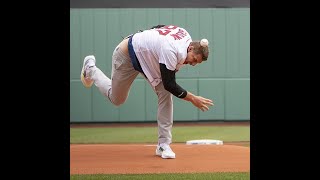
column 170, row 84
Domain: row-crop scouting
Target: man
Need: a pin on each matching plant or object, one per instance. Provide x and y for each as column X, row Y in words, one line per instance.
column 157, row 53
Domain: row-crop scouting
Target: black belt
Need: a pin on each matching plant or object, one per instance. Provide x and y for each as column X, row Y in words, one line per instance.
column 133, row 57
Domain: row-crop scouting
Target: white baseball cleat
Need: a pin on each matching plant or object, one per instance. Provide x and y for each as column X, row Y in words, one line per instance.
column 88, row 62
column 165, row 151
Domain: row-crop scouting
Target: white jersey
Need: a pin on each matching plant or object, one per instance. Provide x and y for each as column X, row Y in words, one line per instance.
column 167, row 45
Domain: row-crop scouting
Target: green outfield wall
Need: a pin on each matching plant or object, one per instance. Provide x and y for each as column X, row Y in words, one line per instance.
column 224, row 77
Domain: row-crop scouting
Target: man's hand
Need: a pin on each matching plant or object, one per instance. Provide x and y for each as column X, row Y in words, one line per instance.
column 199, row 101
column 202, row 103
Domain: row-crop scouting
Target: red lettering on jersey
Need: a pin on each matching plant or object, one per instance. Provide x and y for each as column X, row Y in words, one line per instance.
column 163, row 31
column 166, row 29
column 169, row 27
column 176, row 36
column 179, row 35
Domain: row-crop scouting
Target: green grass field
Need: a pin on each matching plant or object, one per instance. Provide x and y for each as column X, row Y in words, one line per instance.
column 149, row 135
column 200, row 176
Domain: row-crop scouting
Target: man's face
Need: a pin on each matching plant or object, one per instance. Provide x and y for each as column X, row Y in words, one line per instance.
column 192, row 58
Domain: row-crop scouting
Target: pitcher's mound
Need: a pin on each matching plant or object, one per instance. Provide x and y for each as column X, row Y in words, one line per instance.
column 141, row 159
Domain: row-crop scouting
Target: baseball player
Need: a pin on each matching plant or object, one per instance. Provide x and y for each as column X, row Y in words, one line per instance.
column 157, row 54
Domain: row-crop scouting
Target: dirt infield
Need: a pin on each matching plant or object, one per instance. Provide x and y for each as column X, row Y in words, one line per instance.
column 141, row 159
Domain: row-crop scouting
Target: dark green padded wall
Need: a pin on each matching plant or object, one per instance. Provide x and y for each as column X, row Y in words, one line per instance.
column 225, row 77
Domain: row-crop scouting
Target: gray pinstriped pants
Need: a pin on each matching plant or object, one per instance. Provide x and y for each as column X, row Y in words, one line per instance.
column 123, row 74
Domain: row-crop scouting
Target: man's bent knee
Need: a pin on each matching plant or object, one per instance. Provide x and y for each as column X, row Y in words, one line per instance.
column 117, row 102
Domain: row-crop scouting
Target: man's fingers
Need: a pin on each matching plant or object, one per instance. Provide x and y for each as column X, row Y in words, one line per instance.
column 205, row 103
column 207, row 100
column 208, row 103
column 204, row 108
